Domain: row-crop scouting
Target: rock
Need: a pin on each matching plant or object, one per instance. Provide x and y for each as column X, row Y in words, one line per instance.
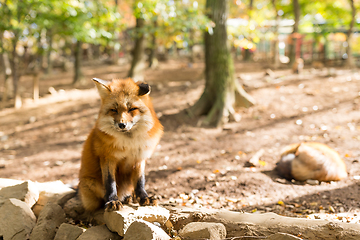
column 17, row 220
column 119, row 221
column 50, row 218
column 99, row 233
column 144, row 230
column 26, row 191
column 208, row 230
column 74, row 208
column 7, row 182
column 52, row 192
column 283, row 236
column 68, row 232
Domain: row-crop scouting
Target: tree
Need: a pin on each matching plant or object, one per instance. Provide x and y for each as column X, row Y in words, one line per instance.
column 350, row 59
column 295, row 32
column 222, row 93
column 276, row 35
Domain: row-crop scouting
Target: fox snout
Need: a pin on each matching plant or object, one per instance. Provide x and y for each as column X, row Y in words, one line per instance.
column 124, row 126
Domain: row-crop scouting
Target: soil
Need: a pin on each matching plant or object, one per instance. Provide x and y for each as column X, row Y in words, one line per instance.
column 198, row 166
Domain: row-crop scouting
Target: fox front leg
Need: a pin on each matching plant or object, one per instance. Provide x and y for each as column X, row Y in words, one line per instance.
column 112, row 202
column 141, row 195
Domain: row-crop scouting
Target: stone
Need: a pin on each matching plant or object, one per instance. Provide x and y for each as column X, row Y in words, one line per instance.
column 74, row 208
column 68, row 232
column 99, row 233
column 7, row 182
column 144, row 230
column 17, row 220
column 119, row 221
column 283, row 236
column 26, row 191
column 208, row 230
column 50, row 218
column 51, row 192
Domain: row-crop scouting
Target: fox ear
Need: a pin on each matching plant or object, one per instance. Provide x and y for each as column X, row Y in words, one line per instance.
column 102, row 86
column 144, row 89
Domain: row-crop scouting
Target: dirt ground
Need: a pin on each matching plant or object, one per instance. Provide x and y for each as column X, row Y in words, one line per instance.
column 196, row 166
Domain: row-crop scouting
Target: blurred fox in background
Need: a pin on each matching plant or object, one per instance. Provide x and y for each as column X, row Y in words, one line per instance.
column 311, row 160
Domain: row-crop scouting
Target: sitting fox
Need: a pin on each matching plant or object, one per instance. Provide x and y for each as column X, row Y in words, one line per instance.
column 125, row 135
column 311, row 160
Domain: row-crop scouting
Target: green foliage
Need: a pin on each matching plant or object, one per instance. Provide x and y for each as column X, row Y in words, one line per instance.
column 89, row 21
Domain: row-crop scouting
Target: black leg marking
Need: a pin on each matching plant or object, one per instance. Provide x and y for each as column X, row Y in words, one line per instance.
column 141, row 195
column 112, row 202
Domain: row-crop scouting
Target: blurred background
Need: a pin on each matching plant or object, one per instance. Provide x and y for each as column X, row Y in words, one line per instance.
column 40, row 36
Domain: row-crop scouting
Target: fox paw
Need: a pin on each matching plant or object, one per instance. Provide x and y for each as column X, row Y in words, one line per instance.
column 127, row 200
column 148, row 201
column 113, row 205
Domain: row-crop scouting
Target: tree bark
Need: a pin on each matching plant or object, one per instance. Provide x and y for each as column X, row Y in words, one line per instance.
column 153, row 46
column 350, row 59
column 222, row 92
column 49, row 37
column 14, row 64
column 77, row 65
column 292, row 53
column 276, row 36
column 247, row 52
column 137, row 64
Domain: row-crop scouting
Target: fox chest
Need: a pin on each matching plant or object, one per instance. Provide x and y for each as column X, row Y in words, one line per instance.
column 133, row 150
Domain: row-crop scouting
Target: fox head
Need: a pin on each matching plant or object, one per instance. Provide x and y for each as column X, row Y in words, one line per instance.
column 124, row 106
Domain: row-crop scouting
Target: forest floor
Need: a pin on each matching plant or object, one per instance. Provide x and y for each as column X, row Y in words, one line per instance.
column 196, row 166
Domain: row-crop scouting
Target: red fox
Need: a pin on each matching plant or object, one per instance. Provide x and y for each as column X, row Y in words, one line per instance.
column 298, row 66
column 126, row 133
column 311, row 160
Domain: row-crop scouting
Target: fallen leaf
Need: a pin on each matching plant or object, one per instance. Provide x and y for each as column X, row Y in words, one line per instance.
column 280, row 203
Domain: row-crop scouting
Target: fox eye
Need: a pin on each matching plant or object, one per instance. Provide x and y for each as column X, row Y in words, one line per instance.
column 113, row 110
column 132, row 109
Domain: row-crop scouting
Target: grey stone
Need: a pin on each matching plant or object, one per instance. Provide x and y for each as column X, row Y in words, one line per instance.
column 50, row 218
column 17, row 220
column 26, row 191
column 196, row 230
column 68, row 232
column 144, row 230
column 99, row 233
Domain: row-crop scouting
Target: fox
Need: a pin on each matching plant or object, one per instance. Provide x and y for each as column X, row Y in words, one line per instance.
column 311, row 160
column 125, row 135
column 298, row 66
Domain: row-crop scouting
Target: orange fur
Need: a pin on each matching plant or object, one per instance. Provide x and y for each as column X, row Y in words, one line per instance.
column 125, row 135
column 311, row 160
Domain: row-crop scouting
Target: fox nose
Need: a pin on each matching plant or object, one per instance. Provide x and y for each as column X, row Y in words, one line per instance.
column 122, row 125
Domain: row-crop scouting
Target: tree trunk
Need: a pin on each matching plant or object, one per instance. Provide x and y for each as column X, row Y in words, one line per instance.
column 14, row 64
column 350, row 59
column 222, row 92
column 77, row 65
column 276, row 37
column 49, row 50
column 153, row 46
column 137, row 63
column 247, row 53
column 292, row 53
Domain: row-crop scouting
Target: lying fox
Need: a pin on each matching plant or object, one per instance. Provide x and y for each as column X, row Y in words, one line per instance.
column 311, row 160
column 125, row 135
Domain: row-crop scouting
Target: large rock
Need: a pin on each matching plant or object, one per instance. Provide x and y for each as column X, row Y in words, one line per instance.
column 51, row 192
column 208, row 230
column 50, row 218
column 7, row 182
column 99, row 233
column 26, row 191
column 119, row 221
column 16, row 219
column 68, row 232
column 144, row 230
